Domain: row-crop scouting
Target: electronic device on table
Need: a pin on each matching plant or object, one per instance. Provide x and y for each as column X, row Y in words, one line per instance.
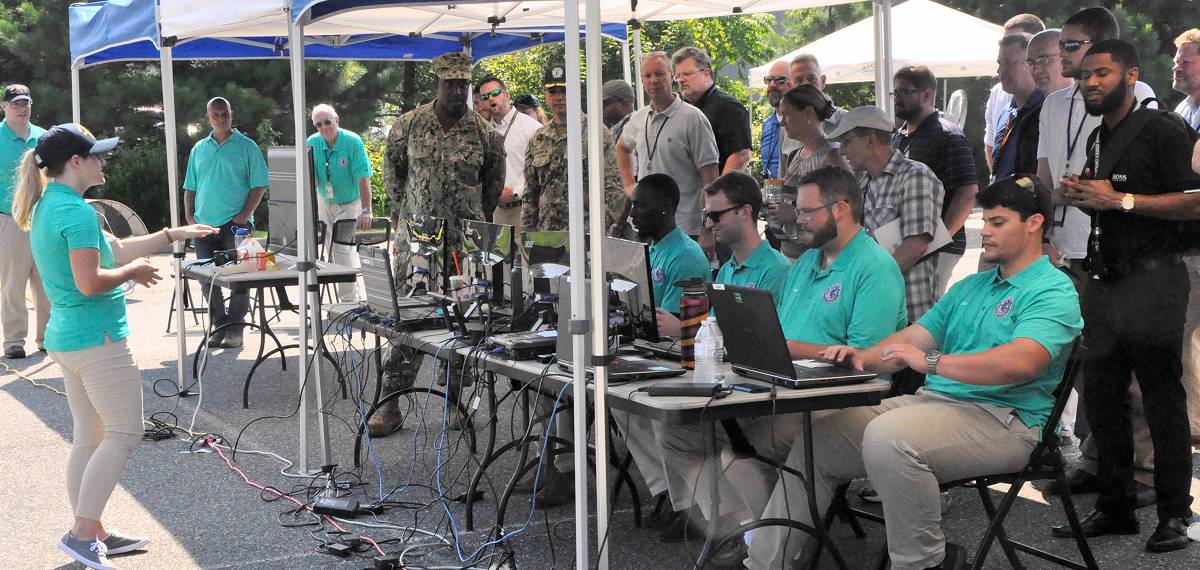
column 546, row 256
column 526, row 345
column 427, row 239
column 755, row 346
column 382, row 300
column 621, row 367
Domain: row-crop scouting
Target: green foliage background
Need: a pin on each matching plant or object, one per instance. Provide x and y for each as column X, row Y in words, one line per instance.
column 126, row 98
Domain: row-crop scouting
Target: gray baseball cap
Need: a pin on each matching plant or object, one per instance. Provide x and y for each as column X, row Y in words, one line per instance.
column 867, row 117
column 617, row 89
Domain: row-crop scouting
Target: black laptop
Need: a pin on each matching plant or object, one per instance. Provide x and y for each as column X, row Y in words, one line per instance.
column 622, row 367
column 380, row 288
column 755, row 347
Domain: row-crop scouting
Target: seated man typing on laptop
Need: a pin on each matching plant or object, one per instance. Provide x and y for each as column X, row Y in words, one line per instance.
column 1005, row 334
column 845, row 289
column 731, row 206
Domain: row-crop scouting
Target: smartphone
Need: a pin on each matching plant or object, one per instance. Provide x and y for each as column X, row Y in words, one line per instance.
column 750, row 388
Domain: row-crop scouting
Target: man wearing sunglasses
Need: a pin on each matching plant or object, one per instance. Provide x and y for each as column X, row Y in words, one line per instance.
column 342, row 174
column 1062, row 136
column 516, row 129
column 775, row 143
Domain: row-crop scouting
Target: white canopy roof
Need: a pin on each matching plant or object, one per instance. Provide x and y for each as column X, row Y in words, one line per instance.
column 951, row 43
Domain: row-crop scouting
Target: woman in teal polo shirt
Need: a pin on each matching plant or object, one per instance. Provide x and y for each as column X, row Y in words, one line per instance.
column 83, row 270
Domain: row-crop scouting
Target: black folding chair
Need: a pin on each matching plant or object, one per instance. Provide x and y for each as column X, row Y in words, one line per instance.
column 1045, row 462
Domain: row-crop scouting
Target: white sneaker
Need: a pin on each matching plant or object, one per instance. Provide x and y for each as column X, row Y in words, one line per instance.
column 90, row 553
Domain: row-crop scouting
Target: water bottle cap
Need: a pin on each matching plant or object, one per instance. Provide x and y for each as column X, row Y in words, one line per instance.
column 241, row 231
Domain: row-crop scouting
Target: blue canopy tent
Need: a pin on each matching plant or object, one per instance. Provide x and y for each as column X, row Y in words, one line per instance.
column 134, row 30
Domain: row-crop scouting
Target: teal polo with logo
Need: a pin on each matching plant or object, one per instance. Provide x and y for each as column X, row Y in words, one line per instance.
column 222, row 175
column 12, row 148
column 984, row 311
column 62, row 222
column 857, row 301
column 676, row 257
column 766, row 268
column 338, row 168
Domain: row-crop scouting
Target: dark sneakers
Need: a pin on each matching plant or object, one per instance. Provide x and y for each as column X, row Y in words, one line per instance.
column 1080, row 482
column 216, row 338
column 118, row 543
column 955, row 559
column 14, row 352
column 1099, row 523
column 233, row 337
column 1170, row 535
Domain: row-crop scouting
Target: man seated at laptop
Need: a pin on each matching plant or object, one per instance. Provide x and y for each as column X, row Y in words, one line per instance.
column 993, row 350
column 845, row 289
column 731, row 206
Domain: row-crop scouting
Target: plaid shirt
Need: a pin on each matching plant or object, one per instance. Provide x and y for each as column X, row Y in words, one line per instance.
column 908, row 190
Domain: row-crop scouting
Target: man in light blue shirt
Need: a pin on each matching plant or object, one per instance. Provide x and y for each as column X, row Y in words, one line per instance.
column 226, row 179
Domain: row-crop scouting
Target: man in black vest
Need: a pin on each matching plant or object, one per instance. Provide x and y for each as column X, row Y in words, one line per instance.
column 1137, row 179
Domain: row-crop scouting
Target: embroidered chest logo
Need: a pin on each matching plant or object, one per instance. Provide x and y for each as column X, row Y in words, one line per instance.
column 344, row 162
column 749, row 285
column 832, row 293
column 657, row 274
column 1004, row 307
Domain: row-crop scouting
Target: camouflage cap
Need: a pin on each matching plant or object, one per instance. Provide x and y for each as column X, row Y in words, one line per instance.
column 452, row 65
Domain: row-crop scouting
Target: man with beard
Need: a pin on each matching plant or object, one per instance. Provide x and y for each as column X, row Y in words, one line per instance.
column 774, row 143
column 442, row 161
column 993, row 349
column 1135, row 177
column 928, row 138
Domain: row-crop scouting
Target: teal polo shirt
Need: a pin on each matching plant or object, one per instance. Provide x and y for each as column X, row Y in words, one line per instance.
column 766, row 268
column 857, row 301
column 12, row 148
column 339, row 168
column 62, row 221
column 222, row 176
column 984, row 311
column 676, row 257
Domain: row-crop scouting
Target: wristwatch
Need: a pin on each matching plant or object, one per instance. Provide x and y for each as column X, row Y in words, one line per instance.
column 931, row 361
column 1127, row 203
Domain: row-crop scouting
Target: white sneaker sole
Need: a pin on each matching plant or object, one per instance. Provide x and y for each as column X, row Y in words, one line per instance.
column 81, row 559
column 129, row 547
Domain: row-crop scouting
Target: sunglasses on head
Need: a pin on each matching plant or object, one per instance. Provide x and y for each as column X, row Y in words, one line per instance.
column 489, row 94
column 324, row 123
column 776, row 79
column 1072, row 45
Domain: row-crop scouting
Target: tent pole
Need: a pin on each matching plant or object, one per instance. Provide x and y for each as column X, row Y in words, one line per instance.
column 578, row 283
column 625, row 68
column 75, row 103
column 310, row 301
column 596, row 222
column 637, row 64
column 170, row 131
column 883, row 55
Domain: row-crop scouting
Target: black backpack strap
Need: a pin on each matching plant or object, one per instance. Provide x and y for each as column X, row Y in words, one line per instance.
column 1118, row 142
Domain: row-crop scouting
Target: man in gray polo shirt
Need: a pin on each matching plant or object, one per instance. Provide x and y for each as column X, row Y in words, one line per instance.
column 670, row 137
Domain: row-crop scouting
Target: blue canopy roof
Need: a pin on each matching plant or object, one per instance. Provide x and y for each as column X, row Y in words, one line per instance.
column 126, row 30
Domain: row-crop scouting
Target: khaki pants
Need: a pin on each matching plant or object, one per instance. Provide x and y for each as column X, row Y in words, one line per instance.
column 341, row 254
column 16, row 271
column 906, row 445
column 104, row 392
column 508, row 216
column 639, row 433
column 686, row 453
column 945, row 270
column 1191, row 345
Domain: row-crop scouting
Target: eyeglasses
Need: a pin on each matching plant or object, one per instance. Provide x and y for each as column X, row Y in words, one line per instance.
column 805, row 213
column 325, row 123
column 687, row 74
column 489, row 94
column 714, row 216
column 776, row 79
column 1042, row 60
column 903, row 92
column 1072, row 46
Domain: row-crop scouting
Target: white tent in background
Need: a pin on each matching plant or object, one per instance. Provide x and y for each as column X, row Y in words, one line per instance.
column 951, row 43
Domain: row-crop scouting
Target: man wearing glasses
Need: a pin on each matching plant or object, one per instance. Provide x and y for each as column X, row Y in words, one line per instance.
column 343, row 180
column 775, row 144
column 516, row 129
column 898, row 191
column 1062, row 142
column 728, row 117
column 928, row 138
column 17, row 135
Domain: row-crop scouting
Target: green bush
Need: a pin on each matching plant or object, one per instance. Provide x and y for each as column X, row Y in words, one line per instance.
column 379, row 198
column 137, row 177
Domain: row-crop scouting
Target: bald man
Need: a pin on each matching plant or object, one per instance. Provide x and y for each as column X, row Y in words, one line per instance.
column 775, row 143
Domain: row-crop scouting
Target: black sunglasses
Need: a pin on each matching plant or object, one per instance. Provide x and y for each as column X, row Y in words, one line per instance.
column 776, row 79
column 489, row 94
column 324, row 123
column 714, row 216
column 1072, row 45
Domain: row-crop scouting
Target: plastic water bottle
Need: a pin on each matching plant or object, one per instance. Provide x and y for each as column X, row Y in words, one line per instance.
column 239, row 235
column 720, row 339
column 707, row 355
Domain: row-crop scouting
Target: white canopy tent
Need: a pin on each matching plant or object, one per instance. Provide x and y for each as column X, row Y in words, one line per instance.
column 334, row 20
column 923, row 31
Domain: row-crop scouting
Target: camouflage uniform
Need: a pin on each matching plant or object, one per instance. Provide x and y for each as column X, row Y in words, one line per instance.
column 545, row 197
column 455, row 175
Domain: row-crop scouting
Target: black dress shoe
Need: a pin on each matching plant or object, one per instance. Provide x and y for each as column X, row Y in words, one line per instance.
column 956, row 558
column 663, row 514
column 1171, row 534
column 688, row 526
column 1099, row 523
column 1145, row 494
column 1079, row 482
